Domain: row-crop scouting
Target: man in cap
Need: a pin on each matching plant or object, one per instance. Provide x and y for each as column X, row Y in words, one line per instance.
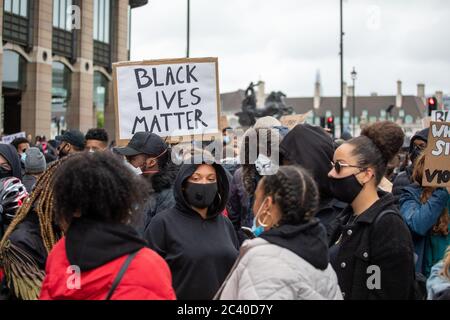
column 72, row 141
column 145, row 151
column 150, row 155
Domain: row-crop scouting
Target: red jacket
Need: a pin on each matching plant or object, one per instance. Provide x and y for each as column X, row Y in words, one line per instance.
column 147, row 278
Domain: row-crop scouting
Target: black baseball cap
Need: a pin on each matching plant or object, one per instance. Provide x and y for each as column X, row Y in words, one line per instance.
column 74, row 137
column 143, row 143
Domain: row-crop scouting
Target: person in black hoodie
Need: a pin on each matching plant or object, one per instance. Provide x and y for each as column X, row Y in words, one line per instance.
column 372, row 249
column 312, row 148
column 9, row 162
column 417, row 145
column 195, row 239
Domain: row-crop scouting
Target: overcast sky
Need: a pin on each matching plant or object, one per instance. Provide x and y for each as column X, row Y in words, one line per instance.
column 285, row 42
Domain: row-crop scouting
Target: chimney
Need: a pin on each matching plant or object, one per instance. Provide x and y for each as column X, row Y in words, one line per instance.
column 350, row 90
column 398, row 99
column 421, row 92
column 261, row 94
column 317, row 95
column 345, row 95
column 439, row 97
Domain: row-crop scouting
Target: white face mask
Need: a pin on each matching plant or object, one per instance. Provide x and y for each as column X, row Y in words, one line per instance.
column 265, row 166
column 137, row 171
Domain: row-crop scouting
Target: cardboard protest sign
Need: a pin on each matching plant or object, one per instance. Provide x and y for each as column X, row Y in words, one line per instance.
column 437, row 159
column 440, row 115
column 172, row 98
column 292, row 120
column 10, row 138
column 223, row 122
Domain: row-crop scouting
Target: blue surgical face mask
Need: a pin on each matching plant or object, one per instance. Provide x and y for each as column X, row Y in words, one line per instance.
column 226, row 140
column 257, row 231
column 23, row 157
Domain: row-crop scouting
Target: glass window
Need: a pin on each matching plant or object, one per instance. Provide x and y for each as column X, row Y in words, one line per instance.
column 62, row 14
column 7, row 5
column 96, row 19
column 100, row 97
column 17, row 7
column 409, row 119
column 14, row 72
column 61, row 89
column 102, row 14
column 23, row 8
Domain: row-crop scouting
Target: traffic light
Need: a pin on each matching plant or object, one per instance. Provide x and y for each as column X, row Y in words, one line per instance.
column 432, row 105
column 330, row 125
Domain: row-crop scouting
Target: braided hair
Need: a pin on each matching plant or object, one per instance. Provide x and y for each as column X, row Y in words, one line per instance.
column 40, row 201
column 295, row 192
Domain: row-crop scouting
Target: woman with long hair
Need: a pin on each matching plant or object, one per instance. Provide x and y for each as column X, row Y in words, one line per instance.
column 425, row 211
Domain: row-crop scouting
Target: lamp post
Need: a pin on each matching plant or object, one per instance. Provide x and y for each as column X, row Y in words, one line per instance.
column 353, row 74
column 341, row 53
column 188, row 35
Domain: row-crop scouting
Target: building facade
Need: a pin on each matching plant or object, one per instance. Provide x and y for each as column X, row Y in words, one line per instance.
column 56, row 69
column 406, row 110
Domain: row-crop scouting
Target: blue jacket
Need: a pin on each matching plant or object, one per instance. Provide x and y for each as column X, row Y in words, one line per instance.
column 420, row 218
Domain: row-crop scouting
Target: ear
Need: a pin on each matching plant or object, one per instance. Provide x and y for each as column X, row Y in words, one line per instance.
column 368, row 175
column 151, row 162
column 269, row 203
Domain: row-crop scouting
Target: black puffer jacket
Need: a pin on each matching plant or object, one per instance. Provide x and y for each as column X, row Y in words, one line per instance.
column 368, row 248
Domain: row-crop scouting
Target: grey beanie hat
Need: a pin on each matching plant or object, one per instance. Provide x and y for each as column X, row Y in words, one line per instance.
column 35, row 161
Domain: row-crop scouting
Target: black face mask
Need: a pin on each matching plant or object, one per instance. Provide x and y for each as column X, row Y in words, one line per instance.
column 200, row 195
column 5, row 173
column 345, row 189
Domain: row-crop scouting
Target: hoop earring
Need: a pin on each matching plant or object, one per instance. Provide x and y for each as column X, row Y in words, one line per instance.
column 263, row 224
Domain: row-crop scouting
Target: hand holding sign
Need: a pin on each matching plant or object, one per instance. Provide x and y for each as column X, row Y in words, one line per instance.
column 171, row 98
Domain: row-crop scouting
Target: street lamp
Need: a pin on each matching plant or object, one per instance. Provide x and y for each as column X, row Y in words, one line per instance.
column 188, row 28
column 353, row 74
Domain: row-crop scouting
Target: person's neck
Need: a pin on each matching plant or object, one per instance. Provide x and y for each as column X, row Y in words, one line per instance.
column 364, row 200
column 203, row 212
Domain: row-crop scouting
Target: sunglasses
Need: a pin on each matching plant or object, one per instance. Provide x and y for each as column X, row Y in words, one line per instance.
column 338, row 166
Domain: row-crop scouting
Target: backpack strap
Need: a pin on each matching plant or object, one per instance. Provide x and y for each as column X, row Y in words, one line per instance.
column 120, row 274
column 382, row 214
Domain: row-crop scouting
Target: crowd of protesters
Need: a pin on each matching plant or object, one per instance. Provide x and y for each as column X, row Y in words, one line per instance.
column 304, row 216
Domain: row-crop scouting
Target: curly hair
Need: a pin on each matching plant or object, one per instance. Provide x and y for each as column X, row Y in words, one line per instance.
column 377, row 145
column 17, row 141
column 295, row 192
column 97, row 134
column 98, row 186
